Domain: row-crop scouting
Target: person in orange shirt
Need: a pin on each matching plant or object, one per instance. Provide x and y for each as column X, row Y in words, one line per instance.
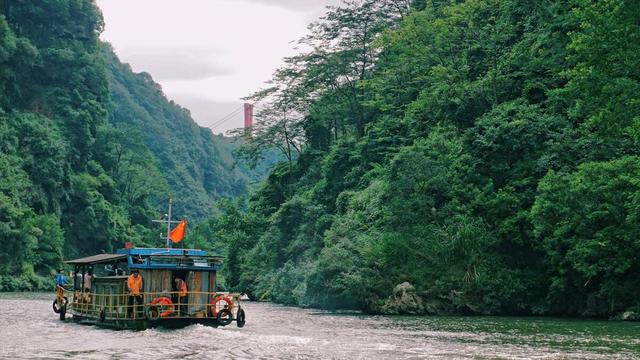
column 134, row 285
column 181, row 297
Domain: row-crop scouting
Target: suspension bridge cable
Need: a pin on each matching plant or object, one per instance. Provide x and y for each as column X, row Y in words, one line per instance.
column 226, row 118
column 215, row 126
column 234, row 112
column 219, row 122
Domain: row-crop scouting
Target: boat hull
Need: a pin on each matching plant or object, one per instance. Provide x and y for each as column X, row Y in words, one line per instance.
column 142, row 324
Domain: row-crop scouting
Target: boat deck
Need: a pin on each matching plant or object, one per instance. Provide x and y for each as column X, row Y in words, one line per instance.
column 158, row 309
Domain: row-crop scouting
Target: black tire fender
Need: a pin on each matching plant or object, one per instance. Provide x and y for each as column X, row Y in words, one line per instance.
column 225, row 317
column 56, row 307
column 240, row 317
column 152, row 313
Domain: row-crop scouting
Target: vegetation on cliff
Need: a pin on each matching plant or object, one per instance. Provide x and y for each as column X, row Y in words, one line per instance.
column 89, row 151
column 486, row 152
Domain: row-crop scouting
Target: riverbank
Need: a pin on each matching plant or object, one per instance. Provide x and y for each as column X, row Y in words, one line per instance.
column 406, row 301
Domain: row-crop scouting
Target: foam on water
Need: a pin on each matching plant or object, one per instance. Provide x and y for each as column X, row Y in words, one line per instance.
column 30, row 330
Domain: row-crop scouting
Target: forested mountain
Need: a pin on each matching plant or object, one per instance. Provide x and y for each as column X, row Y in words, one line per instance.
column 486, row 152
column 198, row 166
column 89, row 151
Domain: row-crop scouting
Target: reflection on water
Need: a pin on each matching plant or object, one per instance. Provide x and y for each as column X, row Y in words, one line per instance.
column 30, row 330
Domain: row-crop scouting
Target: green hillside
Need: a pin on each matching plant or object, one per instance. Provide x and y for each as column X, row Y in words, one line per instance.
column 438, row 157
column 198, row 166
column 485, row 152
column 89, row 151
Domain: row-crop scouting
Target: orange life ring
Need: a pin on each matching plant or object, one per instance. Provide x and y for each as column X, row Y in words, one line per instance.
column 163, row 301
column 216, row 300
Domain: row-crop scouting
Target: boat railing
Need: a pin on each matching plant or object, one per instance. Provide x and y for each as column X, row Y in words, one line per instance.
column 155, row 305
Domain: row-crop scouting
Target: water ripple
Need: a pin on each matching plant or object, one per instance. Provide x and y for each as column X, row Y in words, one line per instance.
column 30, row 330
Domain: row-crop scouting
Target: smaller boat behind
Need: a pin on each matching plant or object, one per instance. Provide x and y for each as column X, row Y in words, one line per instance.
column 178, row 289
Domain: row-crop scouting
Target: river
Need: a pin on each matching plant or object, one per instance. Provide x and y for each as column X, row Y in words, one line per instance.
column 30, row 330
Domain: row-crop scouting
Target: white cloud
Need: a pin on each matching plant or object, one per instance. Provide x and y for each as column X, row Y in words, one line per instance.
column 212, row 112
column 299, row 5
column 217, row 50
column 178, row 64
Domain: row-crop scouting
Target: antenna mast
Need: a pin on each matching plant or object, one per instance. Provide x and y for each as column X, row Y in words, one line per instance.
column 168, row 221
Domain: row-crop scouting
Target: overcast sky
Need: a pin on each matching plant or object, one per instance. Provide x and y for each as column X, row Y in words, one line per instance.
column 207, row 54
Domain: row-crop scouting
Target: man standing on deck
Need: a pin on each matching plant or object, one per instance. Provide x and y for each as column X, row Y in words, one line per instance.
column 87, row 280
column 61, row 280
column 181, row 297
column 87, row 285
column 134, row 285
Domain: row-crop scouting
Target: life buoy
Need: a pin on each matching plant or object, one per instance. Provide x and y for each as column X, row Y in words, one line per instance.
column 240, row 317
column 214, row 304
column 154, row 308
column 57, row 307
column 225, row 317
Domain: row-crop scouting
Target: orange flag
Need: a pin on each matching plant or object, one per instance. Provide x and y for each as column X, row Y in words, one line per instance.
column 177, row 234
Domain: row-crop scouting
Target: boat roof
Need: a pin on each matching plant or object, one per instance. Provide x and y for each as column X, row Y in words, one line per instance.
column 157, row 258
column 95, row 259
column 163, row 252
column 171, row 259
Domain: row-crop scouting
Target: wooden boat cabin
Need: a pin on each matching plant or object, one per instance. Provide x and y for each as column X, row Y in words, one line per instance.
column 178, row 289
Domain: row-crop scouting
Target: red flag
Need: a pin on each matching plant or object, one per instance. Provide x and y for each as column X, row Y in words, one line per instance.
column 177, row 234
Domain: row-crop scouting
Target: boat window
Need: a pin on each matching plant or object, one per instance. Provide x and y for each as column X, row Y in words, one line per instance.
column 116, row 268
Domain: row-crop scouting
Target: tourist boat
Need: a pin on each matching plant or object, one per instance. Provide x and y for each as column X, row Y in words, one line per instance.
column 100, row 297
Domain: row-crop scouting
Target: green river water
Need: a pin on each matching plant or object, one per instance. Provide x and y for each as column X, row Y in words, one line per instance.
column 30, row 330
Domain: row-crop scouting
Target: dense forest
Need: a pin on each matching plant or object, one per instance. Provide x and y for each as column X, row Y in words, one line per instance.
column 439, row 156
column 475, row 157
column 199, row 167
column 89, row 151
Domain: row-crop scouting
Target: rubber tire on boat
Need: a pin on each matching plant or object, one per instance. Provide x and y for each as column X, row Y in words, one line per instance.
column 157, row 303
column 152, row 313
column 225, row 321
column 240, row 318
column 213, row 311
column 63, row 312
column 56, row 309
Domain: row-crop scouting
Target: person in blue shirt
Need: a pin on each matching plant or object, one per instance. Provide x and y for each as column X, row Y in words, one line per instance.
column 61, row 280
